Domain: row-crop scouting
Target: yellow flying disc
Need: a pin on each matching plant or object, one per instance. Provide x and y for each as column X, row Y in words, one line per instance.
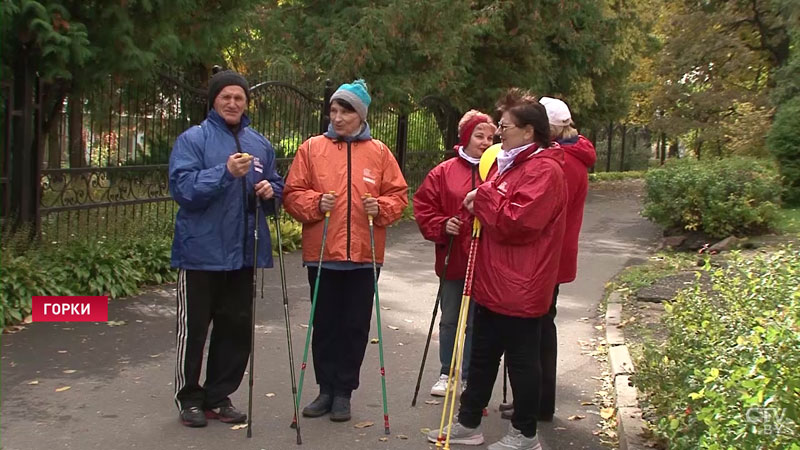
column 487, row 159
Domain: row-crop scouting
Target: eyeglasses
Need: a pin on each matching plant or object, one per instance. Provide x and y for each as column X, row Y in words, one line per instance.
column 505, row 126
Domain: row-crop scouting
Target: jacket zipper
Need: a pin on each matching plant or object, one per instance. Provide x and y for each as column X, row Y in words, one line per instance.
column 473, row 177
column 244, row 199
column 349, row 197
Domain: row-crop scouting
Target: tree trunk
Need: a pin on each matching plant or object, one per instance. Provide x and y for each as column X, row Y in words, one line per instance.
column 77, row 149
column 54, row 141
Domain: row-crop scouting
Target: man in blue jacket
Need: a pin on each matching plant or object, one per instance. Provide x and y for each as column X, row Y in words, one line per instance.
column 217, row 171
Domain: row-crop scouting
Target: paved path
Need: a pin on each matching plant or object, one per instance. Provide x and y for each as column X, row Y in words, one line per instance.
column 120, row 377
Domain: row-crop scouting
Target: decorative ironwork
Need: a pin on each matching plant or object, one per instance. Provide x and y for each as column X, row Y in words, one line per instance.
column 94, row 187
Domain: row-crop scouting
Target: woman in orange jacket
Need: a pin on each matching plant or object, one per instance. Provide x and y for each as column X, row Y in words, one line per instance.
column 352, row 176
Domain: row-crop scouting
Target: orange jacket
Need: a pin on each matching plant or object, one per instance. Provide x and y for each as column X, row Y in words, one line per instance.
column 350, row 170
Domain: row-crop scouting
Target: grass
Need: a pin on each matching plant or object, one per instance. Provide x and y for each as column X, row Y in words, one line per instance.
column 788, row 221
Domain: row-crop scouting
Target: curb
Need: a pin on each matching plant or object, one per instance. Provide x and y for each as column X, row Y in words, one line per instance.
column 630, row 424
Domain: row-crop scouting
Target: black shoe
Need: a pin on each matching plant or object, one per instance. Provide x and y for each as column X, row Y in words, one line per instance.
column 319, row 407
column 226, row 414
column 340, row 410
column 193, row 417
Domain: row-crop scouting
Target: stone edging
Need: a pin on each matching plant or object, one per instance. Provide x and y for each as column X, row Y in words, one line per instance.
column 630, row 425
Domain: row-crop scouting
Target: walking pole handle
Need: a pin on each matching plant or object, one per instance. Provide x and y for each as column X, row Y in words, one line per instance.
column 368, row 195
column 328, row 213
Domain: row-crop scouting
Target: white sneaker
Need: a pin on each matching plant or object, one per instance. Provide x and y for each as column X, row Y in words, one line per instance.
column 459, row 435
column 439, row 388
column 515, row 440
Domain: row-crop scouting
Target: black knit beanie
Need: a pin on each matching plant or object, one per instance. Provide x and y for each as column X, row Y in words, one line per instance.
column 225, row 78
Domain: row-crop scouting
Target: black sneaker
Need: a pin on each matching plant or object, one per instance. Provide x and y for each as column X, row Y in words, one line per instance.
column 193, row 417
column 319, row 407
column 226, row 414
column 340, row 410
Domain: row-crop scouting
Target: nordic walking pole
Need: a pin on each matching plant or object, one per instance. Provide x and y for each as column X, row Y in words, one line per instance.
column 253, row 324
column 458, row 352
column 378, row 317
column 311, row 317
column 433, row 321
column 276, row 216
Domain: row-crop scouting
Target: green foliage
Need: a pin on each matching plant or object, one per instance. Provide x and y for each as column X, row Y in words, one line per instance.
column 82, row 267
column 784, row 143
column 729, row 196
column 469, row 52
column 616, row 176
column 730, row 350
column 291, row 233
column 788, row 221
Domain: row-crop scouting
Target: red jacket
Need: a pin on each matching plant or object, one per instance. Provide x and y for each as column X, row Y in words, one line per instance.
column 578, row 157
column 523, row 214
column 437, row 200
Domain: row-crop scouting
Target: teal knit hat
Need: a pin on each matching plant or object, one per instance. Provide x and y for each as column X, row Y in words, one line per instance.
column 355, row 94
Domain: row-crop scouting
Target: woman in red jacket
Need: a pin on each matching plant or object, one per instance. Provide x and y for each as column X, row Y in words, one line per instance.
column 579, row 156
column 438, row 211
column 521, row 207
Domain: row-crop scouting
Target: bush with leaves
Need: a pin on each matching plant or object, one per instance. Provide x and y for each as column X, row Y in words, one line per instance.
column 727, row 377
column 738, row 196
column 784, row 143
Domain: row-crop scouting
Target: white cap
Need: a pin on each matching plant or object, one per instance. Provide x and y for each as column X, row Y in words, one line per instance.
column 557, row 111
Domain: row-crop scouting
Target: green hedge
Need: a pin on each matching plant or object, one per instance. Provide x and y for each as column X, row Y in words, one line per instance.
column 737, row 196
column 727, row 377
column 784, row 143
column 616, row 176
column 117, row 268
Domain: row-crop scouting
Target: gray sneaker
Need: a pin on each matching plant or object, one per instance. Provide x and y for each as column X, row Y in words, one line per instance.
column 459, row 435
column 515, row 440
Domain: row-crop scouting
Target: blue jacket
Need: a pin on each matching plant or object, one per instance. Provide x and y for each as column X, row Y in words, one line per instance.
column 210, row 230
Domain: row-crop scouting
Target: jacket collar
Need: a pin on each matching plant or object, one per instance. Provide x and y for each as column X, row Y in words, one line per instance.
column 364, row 135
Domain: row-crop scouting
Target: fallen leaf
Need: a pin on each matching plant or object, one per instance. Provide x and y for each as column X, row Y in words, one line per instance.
column 576, row 417
column 271, row 394
column 424, row 430
column 392, row 327
column 598, row 327
column 587, row 403
column 70, row 371
column 402, row 436
column 408, row 320
column 116, row 323
column 400, row 344
column 62, row 351
column 65, row 388
column 239, row 426
column 385, row 308
column 611, row 433
column 607, row 413
column 34, row 382
column 364, row 424
column 384, row 439
column 304, row 325
column 28, row 319
column 374, row 341
column 156, row 355
column 432, row 402
column 559, row 428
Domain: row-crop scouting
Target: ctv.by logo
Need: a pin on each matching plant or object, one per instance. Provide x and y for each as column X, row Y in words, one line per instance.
column 770, row 421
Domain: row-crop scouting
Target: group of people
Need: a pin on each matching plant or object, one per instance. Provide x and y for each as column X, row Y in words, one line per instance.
column 531, row 208
column 222, row 174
